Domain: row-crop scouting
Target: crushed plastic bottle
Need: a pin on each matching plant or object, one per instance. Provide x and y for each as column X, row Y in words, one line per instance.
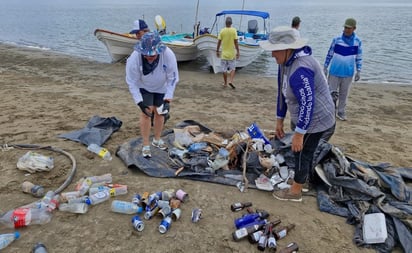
column 22, row 217
column 100, row 151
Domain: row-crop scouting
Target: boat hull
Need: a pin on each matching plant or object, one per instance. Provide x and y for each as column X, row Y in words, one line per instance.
column 207, row 43
column 120, row 46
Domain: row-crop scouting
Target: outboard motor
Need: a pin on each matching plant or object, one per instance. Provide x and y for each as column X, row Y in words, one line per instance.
column 252, row 26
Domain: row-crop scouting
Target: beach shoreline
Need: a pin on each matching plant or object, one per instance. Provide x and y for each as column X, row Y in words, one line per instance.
column 46, row 94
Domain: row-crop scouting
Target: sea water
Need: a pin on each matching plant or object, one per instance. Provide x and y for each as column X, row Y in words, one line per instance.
column 68, row 27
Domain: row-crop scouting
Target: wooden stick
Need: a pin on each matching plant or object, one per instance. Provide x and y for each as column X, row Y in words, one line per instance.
column 245, row 180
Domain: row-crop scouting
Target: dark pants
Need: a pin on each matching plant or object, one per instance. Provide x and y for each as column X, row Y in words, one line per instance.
column 304, row 158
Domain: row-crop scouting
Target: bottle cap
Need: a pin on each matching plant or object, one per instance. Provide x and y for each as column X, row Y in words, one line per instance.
column 17, row 235
column 88, row 201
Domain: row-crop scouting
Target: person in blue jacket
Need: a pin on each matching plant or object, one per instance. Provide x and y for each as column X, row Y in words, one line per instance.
column 345, row 53
column 303, row 91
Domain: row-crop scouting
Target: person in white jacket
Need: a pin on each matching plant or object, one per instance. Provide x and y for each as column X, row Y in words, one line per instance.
column 152, row 76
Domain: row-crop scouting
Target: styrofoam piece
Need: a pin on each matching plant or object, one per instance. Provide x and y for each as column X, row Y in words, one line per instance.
column 374, row 228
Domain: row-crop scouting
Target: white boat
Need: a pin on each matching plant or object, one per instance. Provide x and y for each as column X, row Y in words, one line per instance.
column 120, row 46
column 248, row 39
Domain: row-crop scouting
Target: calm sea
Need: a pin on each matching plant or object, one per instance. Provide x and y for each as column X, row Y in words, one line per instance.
column 67, row 26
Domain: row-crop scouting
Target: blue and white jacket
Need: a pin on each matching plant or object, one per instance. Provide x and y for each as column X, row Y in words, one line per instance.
column 344, row 53
column 304, row 91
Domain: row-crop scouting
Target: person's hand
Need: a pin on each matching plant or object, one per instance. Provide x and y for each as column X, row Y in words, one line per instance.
column 357, row 76
column 145, row 109
column 325, row 70
column 297, row 142
column 166, row 107
column 279, row 129
column 237, row 55
column 217, row 53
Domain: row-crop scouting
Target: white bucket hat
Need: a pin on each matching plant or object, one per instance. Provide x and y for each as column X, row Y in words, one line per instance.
column 281, row 38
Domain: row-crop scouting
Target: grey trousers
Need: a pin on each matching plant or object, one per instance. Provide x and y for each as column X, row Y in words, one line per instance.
column 342, row 86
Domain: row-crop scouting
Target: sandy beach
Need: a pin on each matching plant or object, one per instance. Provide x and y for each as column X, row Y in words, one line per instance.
column 45, row 94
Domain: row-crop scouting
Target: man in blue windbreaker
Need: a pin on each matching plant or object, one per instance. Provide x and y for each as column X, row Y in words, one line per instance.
column 345, row 53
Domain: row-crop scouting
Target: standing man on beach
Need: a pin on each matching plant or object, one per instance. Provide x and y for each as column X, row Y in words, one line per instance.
column 295, row 25
column 139, row 28
column 230, row 51
column 345, row 53
column 152, row 76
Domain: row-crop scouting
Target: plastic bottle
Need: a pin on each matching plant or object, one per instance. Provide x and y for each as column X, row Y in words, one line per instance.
column 21, row 217
column 74, row 207
column 291, row 247
column 235, row 207
column 282, row 231
column 6, row 239
column 97, row 198
column 118, row 190
column 93, row 190
column 244, row 232
column 66, row 196
column 35, row 190
column 137, row 223
column 46, row 200
column 100, row 151
column 81, row 199
column 249, row 218
column 105, row 178
column 125, row 207
column 39, row 248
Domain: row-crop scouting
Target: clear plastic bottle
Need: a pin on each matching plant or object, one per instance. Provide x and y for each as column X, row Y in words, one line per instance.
column 93, row 190
column 81, row 199
column 119, row 206
column 6, row 239
column 105, row 178
column 35, row 190
column 50, row 201
column 74, row 207
column 66, row 196
column 100, row 151
column 117, row 190
column 97, row 198
column 22, row 217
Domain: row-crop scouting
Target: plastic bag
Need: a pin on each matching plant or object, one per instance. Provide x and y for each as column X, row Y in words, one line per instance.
column 33, row 162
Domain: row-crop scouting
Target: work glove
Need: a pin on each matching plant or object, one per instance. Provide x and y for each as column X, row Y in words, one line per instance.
column 166, row 110
column 144, row 109
column 357, row 76
column 325, row 70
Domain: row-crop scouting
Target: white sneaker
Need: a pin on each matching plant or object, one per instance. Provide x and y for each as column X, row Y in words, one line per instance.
column 159, row 144
column 146, row 152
